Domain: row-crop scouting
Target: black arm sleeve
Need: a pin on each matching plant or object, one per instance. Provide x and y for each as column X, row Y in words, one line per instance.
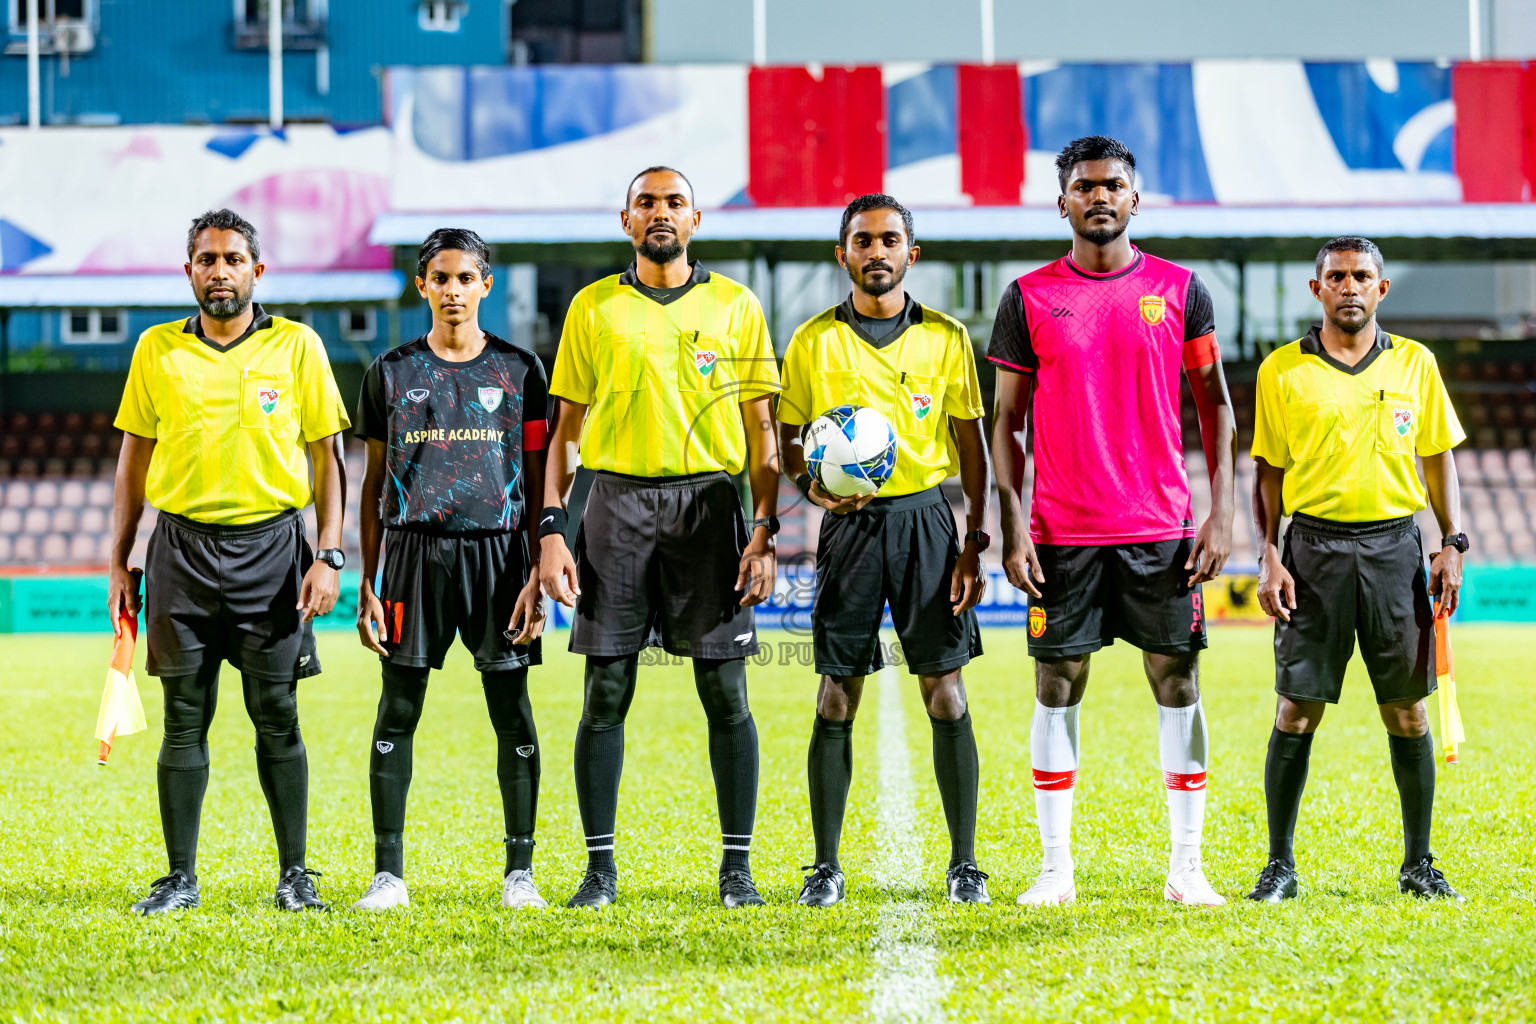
column 535, row 391
column 1011, row 346
column 372, row 419
column 1199, row 311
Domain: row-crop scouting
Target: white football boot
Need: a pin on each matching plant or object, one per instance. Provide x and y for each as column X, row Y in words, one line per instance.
column 385, row 892
column 1054, row 887
column 518, row 891
column 1186, row 884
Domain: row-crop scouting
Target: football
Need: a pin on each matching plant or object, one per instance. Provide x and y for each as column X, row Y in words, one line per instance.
column 850, row 450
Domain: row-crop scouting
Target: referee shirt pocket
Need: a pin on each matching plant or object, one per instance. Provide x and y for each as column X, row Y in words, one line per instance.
column 621, row 362
column 1313, row 429
column 704, row 363
column 838, row 387
column 1397, row 423
column 267, row 400
column 185, row 411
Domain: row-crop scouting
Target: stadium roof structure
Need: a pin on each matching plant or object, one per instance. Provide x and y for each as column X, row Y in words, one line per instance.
column 1449, row 231
column 85, row 291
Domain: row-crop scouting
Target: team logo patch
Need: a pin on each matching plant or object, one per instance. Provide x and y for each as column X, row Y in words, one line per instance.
column 1152, row 309
column 384, row 746
column 704, row 362
column 268, row 399
column 1402, row 419
column 525, row 751
column 921, row 404
column 491, row 398
column 417, row 394
column 1037, row 622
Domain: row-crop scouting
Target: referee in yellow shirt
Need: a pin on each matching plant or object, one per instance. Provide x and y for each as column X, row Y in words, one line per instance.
column 879, row 348
column 217, row 416
column 1342, row 413
column 665, row 377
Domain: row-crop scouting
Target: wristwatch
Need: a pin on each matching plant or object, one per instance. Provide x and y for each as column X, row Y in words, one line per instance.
column 333, row 557
column 1456, row 540
column 771, row 523
column 982, row 538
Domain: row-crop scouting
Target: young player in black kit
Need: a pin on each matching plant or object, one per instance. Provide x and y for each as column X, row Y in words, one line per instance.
column 455, row 424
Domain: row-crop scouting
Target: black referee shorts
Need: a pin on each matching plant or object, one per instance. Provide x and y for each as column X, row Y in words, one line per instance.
column 228, row 593
column 899, row 550
column 657, row 560
column 1095, row 594
column 440, row 584
column 1364, row 579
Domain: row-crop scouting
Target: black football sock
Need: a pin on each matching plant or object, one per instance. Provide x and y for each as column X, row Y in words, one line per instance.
column 958, row 769
column 1285, row 777
column 599, row 757
column 389, row 762
column 181, row 811
column 282, row 764
column 182, row 772
column 517, row 761
column 1413, row 765
column 830, row 770
column 722, row 687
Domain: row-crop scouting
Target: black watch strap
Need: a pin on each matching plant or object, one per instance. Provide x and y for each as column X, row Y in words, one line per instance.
column 771, row 523
column 1458, row 541
column 333, row 557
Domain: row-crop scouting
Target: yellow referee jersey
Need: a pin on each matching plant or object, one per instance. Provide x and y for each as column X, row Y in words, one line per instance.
column 1346, row 436
column 663, row 373
column 230, row 424
column 919, row 376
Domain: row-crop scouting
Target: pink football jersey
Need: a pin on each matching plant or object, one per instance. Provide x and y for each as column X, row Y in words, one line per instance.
column 1106, row 351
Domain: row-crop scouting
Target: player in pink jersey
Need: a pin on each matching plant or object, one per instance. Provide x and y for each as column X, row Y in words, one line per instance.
column 1088, row 351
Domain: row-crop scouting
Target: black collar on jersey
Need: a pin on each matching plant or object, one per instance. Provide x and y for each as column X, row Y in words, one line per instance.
column 1090, row 275
column 665, row 296
column 260, row 321
column 910, row 314
column 1312, row 345
column 492, row 344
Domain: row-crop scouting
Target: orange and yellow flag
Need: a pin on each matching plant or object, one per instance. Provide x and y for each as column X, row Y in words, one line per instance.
column 122, row 713
column 1451, row 733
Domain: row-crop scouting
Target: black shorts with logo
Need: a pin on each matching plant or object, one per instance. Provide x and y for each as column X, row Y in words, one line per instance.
column 1094, row 595
column 228, row 593
column 657, row 560
column 1364, row 579
column 439, row 584
column 899, row 550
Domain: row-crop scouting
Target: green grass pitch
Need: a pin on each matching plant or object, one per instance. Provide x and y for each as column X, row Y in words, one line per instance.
column 79, row 843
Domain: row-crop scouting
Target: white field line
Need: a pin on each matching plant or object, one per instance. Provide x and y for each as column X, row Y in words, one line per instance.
column 906, row 986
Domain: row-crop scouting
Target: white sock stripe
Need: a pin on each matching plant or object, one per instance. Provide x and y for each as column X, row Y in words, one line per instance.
column 595, row 849
column 605, row 835
column 736, row 835
column 730, row 847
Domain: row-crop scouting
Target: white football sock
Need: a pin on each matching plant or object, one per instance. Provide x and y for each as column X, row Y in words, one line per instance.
column 1053, row 755
column 1181, row 741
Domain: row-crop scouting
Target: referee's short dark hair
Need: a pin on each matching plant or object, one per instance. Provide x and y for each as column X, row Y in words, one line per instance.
column 458, row 239
column 224, row 220
column 875, row 201
column 658, row 169
column 1350, row 243
column 1092, row 147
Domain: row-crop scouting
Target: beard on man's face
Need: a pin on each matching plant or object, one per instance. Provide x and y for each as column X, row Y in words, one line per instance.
column 661, row 247
column 880, row 286
column 223, row 309
column 1103, row 234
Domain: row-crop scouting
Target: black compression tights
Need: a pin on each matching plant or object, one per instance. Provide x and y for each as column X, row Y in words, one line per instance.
column 389, row 761
column 722, row 688
column 182, row 773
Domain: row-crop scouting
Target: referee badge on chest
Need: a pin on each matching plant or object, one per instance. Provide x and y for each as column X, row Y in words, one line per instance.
column 1152, row 309
column 1402, row 420
column 267, row 399
column 704, row 362
column 921, row 405
column 491, row 398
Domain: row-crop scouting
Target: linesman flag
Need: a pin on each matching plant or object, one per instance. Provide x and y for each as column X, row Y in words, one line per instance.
column 1445, row 676
column 122, row 713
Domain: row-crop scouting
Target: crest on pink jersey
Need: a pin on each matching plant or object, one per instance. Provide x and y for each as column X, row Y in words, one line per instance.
column 1152, row 309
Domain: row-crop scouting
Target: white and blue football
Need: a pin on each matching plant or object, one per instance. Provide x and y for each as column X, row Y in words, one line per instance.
column 850, row 450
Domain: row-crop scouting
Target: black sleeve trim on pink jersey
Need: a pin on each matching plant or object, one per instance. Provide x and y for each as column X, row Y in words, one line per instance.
column 1011, row 346
column 1199, row 310
column 372, row 422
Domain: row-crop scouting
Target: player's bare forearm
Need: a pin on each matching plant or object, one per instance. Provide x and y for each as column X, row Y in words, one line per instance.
column 533, row 484
column 330, row 489
column 762, row 455
column 564, row 434
column 791, row 451
column 1444, row 488
column 1218, row 434
column 128, row 495
column 975, row 473
column 370, row 519
column 1268, row 486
